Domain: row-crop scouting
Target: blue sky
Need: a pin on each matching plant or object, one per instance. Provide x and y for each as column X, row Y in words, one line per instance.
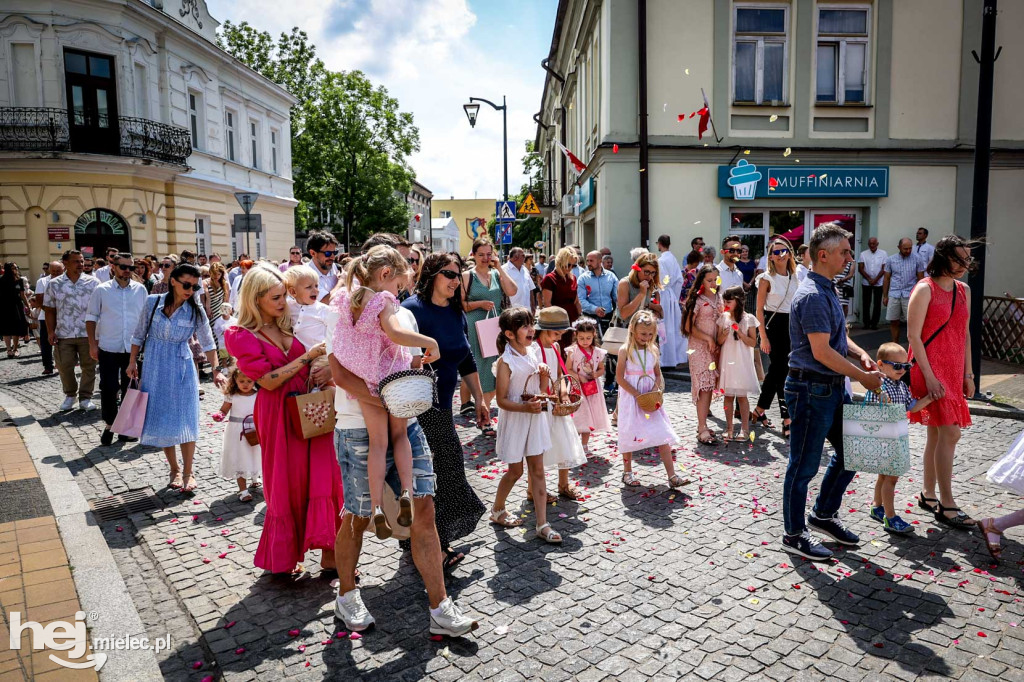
column 433, row 55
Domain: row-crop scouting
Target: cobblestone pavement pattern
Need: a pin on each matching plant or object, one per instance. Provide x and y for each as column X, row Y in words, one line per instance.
column 649, row 584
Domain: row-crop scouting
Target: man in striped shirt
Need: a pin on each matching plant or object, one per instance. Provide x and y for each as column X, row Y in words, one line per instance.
column 902, row 272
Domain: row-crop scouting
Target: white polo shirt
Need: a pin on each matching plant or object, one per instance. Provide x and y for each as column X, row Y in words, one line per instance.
column 874, row 264
column 730, row 278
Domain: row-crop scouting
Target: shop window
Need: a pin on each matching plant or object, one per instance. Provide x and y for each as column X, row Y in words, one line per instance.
column 841, row 74
column 760, row 42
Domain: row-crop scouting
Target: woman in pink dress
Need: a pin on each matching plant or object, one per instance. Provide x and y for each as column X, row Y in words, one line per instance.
column 301, row 479
column 940, row 349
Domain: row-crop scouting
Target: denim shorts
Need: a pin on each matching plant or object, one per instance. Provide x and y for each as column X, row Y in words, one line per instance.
column 352, row 447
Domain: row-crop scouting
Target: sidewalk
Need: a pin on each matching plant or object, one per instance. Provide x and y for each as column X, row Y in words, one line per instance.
column 35, row 578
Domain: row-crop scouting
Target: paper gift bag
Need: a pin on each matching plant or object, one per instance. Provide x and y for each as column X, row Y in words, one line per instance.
column 131, row 416
column 875, row 439
column 312, row 414
column 487, row 332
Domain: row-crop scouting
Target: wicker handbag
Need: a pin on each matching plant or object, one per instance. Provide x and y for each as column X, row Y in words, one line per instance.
column 408, row 393
column 652, row 399
column 249, row 431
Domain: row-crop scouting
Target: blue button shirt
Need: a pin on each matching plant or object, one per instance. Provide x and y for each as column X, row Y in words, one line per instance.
column 903, row 273
column 815, row 310
column 597, row 291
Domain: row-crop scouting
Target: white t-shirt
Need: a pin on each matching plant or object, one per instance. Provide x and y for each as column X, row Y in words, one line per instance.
column 524, row 284
column 325, row 282
column 873, row 264
column 801, row 272
column 309, row 322
column 730, row 278
column 349, row 415
column 781, row 291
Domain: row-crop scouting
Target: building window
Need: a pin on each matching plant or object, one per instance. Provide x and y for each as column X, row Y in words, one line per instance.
column 24, row 70
column 759, row 54
column 203, row 235
column 254, row 144
column 195, row 121
column 842, row 55
column 142, row 95
column 446, row 214
column 229, row 135
column 273, row 151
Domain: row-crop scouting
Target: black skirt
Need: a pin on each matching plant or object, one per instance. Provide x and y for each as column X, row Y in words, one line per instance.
column 457, row 509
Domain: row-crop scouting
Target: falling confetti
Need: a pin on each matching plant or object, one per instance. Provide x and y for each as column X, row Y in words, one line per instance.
column 681, row 117
column 697, row 222
column 691, row 351
column 746, row 151
column 752, row 436
column 666, row 279
column 664, row 107
column 823, row 175
column 615, row 149
column 686, row 71
column 713, row 366
column 773, row 118
column 718, row 281
column 787, row 152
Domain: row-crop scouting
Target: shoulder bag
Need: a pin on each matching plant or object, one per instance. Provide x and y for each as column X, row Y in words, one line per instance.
column 590, row 387
column 956, row 291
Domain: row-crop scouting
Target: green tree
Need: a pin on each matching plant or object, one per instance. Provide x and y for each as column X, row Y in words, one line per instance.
column 531, row 230
column 350, row 142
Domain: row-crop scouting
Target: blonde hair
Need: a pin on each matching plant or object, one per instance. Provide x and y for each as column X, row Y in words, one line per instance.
column 365, row 269
column 294, row 276
column 888, row 351
column 216, row 267
column 646, row 258
column 255, row 284
column 790, row 261
column 642, row 318
column 564, row 258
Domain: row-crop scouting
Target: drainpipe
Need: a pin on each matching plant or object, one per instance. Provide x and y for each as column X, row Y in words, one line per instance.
column 561, row 220
column 645, row 208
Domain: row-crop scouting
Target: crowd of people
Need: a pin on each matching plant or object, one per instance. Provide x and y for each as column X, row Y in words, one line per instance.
column 548, row 344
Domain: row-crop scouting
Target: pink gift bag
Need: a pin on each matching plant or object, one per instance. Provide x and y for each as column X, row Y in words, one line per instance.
column 131, row 416
column 487, row 331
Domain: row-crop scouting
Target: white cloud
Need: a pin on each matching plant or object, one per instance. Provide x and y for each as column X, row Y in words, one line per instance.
column 424, row 53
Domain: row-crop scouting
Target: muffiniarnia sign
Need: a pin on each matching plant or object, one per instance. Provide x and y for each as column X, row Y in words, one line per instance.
column 801, row 181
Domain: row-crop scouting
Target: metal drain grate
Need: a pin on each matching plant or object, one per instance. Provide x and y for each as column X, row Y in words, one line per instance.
column 125, row 504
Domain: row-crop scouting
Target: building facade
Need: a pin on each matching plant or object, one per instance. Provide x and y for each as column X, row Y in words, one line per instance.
column 470, row 215
column 123, row 124
column 418, row 200
column 863, row 112
column 444, row 234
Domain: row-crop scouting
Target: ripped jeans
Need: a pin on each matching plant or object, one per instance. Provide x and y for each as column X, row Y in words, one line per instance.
column 352, row 447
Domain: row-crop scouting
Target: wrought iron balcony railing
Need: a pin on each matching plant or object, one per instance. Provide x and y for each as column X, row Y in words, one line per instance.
column 46, row 129
column 544, row 193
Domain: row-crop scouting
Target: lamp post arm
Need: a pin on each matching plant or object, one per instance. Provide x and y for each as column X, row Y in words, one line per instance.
column 487, row 101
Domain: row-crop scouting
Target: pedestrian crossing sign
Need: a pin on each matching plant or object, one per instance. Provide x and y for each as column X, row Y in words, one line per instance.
column 529, row 206
column 505, row 210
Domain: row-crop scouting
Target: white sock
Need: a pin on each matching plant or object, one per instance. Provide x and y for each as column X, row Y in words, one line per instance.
column 440, row 607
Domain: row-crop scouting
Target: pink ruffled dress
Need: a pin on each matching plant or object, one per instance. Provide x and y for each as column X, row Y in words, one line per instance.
column 705, row 318
column 362, row 347
column 301, row 478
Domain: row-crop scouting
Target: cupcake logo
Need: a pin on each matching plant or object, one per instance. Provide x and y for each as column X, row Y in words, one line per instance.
column 743, row 178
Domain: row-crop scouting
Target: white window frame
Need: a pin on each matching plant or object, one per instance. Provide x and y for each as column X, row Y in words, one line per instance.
column 197, row 127
column 204, row 241
column 254, row 142
column 759, row 40
column 230, row 148
column 842, row 40
column 275, row 134
column 445, row 215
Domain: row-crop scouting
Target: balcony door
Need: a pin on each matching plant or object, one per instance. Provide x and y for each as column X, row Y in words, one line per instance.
column 92, row 102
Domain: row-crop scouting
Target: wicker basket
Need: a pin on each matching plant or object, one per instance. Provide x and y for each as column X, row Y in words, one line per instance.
column 249, row 432
column 568, row 389
column 650, row 400
column 408, row 393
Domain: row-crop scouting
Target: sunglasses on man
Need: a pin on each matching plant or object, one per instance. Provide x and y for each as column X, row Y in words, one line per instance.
column 899, row 366
column 329, row 254
column 296, row 253
column 732, row 250
column 130, row 268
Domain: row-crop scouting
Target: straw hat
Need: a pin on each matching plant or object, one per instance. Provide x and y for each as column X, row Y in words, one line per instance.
column 552, row 319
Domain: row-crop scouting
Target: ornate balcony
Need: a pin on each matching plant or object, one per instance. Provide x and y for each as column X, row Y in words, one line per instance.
column 47, row 129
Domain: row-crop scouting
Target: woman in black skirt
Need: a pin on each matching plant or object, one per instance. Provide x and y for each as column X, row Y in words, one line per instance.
column 775, row 290
column 13, row 304
column 437, row 307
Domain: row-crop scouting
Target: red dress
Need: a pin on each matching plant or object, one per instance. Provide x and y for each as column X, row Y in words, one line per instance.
column 301, row 478
column 946, row 357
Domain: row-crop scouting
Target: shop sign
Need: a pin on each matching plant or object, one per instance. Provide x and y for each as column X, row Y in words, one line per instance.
column 746, row 181
column 59, row 233
column 586, row 195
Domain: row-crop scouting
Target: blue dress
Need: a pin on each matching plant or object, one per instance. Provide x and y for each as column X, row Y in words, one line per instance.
column 168, row 371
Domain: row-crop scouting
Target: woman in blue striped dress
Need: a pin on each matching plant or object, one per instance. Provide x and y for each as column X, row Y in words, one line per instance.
column 168, row 371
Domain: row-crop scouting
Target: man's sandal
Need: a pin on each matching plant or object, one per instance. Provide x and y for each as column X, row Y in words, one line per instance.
column 630, row 479
column 677, row 481
column 501, row 517
column 571, row 492
column 551, row 537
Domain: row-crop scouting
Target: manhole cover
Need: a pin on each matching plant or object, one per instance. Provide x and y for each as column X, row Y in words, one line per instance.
column 125, row 504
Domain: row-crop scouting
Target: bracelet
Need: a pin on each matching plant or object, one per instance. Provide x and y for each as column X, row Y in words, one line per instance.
column 968, row 376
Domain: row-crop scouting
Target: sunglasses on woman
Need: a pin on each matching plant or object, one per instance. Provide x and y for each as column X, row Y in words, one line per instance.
column 899, row 366
column 448, row 274
column 167, row 266
column 780, row 252
column 187, row 286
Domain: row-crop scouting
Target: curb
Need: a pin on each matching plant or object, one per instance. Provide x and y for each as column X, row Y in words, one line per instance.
column 100, row 586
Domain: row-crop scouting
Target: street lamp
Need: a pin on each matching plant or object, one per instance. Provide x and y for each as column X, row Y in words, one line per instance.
column 472, row 110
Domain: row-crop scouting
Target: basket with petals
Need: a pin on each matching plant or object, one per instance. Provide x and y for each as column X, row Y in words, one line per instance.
column 567, row 398
column 651, row 399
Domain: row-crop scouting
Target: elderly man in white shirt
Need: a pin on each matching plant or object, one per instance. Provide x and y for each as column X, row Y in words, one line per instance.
column 517, row 271
column 113, row 314
column 872, row 271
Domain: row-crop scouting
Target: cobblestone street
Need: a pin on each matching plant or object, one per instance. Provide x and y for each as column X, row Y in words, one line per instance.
column 649, row 583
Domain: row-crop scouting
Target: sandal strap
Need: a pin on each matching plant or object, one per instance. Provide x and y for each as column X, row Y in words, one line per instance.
column 540, row 528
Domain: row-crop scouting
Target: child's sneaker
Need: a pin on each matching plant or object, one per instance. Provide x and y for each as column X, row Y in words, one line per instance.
column 380, row 524
column 897, row 525
column 405, row 513
column 878, row 514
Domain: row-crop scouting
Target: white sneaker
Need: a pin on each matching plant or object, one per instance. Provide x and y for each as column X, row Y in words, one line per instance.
column 68, row 404
column 87, row 405
column 451, row 621
column 350, row 610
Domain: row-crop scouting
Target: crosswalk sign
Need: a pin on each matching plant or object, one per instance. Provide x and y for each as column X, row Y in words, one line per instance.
column 529, row 206
column 505, row 210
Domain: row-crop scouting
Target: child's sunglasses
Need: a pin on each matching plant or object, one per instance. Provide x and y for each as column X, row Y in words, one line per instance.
column 904, row 366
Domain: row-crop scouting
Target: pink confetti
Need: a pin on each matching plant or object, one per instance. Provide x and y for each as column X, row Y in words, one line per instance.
column 206, row 560
column 302, row 647
column 197, row 665
column 221, row 556
column 615, row 149
column 240, row 650
column 436, row 638
column 982, row 634
column 119, row 529
column 230, row 625
column 170, row 541
column 355, row 635
column 293, row 632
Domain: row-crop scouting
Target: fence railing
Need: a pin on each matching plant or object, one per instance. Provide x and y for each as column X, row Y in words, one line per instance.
column 1002, row 329
column 34, row 129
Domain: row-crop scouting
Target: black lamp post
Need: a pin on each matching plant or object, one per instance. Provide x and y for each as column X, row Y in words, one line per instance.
column 471, row 113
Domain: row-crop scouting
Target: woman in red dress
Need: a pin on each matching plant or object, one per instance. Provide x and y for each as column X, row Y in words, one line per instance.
column 301, row 478
column 940, row 348
column 558, row 288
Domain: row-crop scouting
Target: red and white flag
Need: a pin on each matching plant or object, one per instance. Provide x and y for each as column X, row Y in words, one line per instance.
column 705, row 116
column 578, row 165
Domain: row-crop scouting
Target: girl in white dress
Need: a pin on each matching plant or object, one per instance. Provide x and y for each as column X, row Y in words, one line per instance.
column 737, row 335
column 585, row 361
column 1009, row 473
column 238, row 459
column 524, row 426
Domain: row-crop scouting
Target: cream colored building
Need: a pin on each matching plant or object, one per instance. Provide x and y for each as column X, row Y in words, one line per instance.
column 123, row 124
column 858, row 111
column 467, row 214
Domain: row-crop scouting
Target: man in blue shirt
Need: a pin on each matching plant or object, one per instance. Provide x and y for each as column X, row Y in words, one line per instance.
column 815, row 393
column 597, row 290
column 902, row 272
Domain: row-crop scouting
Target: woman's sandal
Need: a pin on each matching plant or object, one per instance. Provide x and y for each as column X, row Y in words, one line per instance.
column 244, row 496
column 176, row 481
column 705, row 437
column 501, row 517
column 489, row 432
column 678, row 481
column 762, row 419
column 552, row 537
column 786, row 428
column 987, row 527
column 630, row 479
column 451, row 560
column 571, row 492
column 190, row 485
column 923, row 503
column 961, row 521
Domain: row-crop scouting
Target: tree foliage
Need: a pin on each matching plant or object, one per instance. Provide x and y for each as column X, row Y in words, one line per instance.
column 350, row 142
column 531, row 230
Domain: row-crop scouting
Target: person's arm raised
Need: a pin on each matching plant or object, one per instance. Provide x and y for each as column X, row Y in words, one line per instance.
column 276, row 378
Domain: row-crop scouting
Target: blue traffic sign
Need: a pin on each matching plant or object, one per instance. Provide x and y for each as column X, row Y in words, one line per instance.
column 503, row 232
column 504, row 211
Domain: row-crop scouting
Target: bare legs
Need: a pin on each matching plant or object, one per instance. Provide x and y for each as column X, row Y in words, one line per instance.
column 938, row 463
column 178, row 480
column 538, row 488
column 885, row 492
